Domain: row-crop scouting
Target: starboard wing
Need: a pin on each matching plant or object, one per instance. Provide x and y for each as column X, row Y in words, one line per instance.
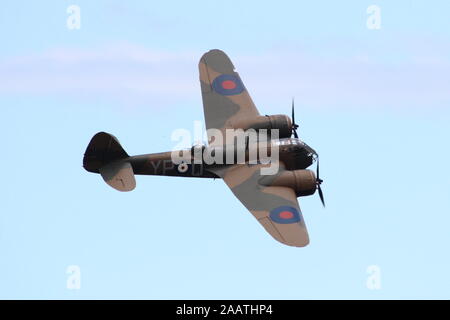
column 275, row 207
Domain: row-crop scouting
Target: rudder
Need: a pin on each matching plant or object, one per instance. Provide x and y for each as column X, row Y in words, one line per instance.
column 102, row 149
column 106, row 156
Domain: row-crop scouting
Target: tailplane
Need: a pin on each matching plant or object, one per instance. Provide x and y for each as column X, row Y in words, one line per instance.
column 106, row 156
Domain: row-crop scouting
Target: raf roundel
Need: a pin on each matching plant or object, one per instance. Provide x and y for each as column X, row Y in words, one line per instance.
column 285, row 215
column 228, row 85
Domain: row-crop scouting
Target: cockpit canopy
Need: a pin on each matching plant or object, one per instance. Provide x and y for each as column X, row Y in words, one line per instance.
column 288, row 141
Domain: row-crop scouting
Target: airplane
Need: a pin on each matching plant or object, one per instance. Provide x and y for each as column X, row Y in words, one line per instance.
column 272, row 199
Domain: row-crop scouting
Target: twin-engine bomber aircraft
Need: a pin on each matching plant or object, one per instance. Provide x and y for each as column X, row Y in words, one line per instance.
column 272, row 199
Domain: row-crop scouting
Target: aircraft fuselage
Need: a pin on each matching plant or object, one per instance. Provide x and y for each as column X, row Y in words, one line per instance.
column 294, row 153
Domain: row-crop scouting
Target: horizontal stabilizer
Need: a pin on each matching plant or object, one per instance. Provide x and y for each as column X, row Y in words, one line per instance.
column 119, row 175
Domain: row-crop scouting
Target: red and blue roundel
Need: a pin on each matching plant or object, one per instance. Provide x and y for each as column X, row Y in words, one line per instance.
column 228, row 85
column 285, row 215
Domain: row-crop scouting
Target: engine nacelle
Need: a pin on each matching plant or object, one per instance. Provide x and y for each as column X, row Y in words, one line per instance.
column 303, row 182
column 279, row 121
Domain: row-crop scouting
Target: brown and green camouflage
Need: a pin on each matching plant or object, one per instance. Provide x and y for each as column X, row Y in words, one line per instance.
column 227, row 105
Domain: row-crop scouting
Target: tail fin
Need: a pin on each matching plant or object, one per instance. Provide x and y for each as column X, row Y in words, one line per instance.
column 106, row 156
column 103, row 149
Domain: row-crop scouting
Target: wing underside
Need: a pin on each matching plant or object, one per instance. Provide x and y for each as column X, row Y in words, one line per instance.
column 225, row 98
column 275, row 207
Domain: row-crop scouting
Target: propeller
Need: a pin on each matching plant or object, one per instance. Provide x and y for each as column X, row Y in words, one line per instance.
column 319, row 182
column 294, row 125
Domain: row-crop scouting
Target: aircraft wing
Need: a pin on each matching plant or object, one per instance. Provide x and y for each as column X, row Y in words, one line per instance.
column 275, row 207
column 225, row 98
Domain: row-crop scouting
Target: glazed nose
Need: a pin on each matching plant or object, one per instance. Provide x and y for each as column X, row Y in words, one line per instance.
column 310, row 150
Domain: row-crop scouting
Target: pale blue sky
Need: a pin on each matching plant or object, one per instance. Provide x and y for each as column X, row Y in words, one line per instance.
column 373, row 103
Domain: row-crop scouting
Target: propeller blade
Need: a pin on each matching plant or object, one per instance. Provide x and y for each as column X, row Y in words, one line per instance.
column 321, row 195
column 319, row 182
column 317, row 169
column 294, row 125
column 293, row 113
